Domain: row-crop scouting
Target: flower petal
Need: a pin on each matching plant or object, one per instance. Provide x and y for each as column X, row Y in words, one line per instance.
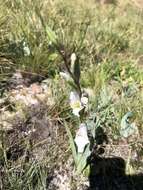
column 75, row 103
column 81, row 138
column 84, row 100
column 65, row 76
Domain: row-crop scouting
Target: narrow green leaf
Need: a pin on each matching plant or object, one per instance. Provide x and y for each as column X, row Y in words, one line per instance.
column 52, row 56
column 51, row 35
column 72, row 144
column 77, row 70
column 82, row 159
column 72, row 84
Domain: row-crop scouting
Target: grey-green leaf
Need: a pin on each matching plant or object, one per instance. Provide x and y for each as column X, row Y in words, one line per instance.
column 127, row 128
column 82, row 159
column 92, row 125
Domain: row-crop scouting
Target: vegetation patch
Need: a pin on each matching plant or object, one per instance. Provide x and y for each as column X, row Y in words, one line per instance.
column 71, row 95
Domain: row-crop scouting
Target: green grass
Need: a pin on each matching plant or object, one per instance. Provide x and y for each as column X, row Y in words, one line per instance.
column 108, row 41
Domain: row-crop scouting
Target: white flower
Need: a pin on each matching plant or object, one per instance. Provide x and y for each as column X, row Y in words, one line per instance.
column 81, row 138
column 26, row 49
column 75, row 103
column 73, row 58
column 76, row 112
column 84, row 100
column 65, row 76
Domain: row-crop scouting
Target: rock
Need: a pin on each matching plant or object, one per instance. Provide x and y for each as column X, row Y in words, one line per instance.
column 6, row 121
